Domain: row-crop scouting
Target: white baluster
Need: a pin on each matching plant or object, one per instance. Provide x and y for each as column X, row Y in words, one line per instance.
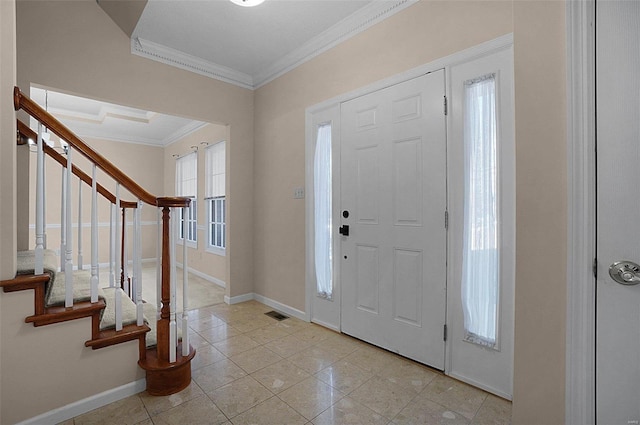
column 118, row 300
column 117, row 241
column 44, row 202
column 159, row 266
column 39, row 250
column 185, row 287
column 173, row 337
column 68, row 266
column 112, row 247
column 94, row 237
column 137, row 265
column 80, row 266
column 125, row 255
column 63, row 219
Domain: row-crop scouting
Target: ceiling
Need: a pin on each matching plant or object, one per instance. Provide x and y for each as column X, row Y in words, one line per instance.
column 245, row 46
column 89, row 118
column 250, row 46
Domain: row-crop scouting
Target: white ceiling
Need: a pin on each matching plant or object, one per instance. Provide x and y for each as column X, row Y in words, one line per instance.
column 250, row 46
column 89, row 118
column 245, row 46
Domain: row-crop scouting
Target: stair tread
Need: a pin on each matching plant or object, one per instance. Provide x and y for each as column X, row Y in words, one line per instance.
column 59, row 314
column 26, row 261
column 129, row 314
column 110, row 337
column 81, row 288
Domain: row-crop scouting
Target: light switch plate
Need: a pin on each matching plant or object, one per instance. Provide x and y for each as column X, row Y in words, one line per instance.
column 298, row 193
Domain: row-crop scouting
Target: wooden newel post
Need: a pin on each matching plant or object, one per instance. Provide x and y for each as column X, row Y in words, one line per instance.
column 163, row 323
column 163, row 376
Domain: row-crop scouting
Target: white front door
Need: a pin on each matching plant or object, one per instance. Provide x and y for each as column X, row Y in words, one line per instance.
column 618, row 212
column 393, row 200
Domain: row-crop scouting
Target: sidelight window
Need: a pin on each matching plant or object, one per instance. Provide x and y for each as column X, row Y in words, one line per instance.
column 322, row 212
column 481, row 256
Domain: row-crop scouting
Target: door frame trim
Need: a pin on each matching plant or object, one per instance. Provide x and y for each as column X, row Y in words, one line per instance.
column 446, row 62
column 581, row 213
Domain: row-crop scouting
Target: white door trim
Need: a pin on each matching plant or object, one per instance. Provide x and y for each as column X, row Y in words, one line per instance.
column 581, row 247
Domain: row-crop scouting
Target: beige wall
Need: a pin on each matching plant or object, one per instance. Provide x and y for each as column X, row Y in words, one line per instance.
column 138, row 161
column 87, row 54
column 98, row 64
column 199, row 258
column 7, row 159
column 48, row 367
column 422, row 33
column 77, row 49
column 7, row 141
column 541, row 212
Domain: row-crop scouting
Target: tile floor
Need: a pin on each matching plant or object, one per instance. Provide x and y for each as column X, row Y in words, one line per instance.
column 251, row 369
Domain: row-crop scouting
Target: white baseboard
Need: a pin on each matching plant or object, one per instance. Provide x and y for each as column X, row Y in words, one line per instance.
column 204, row 276
column 282, row 308
column 238, row 298
column 88, row 404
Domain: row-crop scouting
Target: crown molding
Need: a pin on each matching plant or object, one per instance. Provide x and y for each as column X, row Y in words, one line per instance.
column 183, row 132
column 169, row 56
column 352, row 25
column 168, row 140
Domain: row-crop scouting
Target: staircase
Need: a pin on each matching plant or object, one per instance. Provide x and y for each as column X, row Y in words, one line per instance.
column 63, row 291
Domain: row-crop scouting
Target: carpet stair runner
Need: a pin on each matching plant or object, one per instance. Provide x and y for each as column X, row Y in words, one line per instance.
column 52, row 287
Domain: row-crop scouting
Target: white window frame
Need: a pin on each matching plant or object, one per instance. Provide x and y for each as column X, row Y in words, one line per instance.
column 192, row 224
column 213, row 221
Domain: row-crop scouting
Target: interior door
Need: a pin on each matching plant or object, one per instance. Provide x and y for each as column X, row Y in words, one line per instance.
column 618, row 212
column 393, row 201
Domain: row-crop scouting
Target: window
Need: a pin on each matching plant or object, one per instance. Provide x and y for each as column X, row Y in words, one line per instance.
column 322, row 212
column 480, row 264
column 187, row 186
column 192, row 222
column 215, row 197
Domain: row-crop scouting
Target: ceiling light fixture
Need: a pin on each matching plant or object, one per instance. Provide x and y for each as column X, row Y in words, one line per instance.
column 247, row 3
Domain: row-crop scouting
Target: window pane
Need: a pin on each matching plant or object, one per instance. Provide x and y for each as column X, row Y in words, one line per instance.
column 216, row 222
column 480, row 265
column 322, row 212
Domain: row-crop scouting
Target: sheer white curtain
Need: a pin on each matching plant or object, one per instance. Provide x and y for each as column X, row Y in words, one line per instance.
column 480, row 266
column 322, row 211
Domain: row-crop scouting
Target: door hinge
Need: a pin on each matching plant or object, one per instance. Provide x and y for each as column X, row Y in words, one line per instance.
column 446, row 220
column 445, row 332
column 595, row 268
column 446, row 109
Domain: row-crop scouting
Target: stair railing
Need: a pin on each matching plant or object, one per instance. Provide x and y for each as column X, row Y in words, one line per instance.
column 168, row 364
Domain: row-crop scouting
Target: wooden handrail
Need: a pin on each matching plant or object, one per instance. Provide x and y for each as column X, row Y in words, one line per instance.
column 165, row 374
column 21, row 101
column 25, row 133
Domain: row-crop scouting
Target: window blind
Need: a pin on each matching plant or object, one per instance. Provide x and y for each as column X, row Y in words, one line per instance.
column 215, row 170
column 187, row 175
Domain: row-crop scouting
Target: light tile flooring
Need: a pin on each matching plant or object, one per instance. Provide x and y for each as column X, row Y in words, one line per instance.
column 251, row 369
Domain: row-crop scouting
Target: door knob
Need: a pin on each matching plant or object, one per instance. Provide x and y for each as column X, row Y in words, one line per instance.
column 344, row 230
column 625, row 272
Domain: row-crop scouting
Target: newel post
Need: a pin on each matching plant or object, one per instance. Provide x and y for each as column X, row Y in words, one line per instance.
column 164, row 376
column 165, row 296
